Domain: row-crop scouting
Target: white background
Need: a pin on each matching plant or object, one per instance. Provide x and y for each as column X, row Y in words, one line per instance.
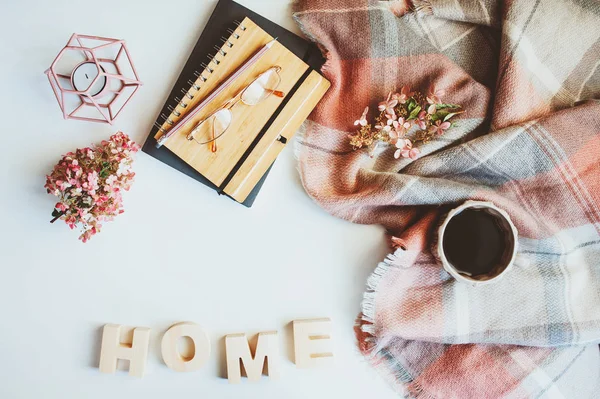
column 178, row 253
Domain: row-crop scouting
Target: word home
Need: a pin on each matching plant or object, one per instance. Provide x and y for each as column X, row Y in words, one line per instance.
column 312, row 339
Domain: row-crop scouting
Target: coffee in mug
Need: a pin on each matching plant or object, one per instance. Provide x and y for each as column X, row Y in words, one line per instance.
column 476, row 242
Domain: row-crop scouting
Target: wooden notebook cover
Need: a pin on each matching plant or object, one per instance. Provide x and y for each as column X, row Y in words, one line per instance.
column 248, row 121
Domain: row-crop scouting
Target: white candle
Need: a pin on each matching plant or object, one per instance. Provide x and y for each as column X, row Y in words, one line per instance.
column 83, row 76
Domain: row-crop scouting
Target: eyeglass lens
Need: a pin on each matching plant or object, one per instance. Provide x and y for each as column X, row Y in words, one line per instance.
column 261, row 88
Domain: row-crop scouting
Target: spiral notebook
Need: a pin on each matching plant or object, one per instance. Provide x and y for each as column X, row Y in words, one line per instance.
column 258, row 134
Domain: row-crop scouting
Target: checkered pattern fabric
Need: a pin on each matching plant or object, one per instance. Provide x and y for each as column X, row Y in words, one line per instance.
column 527, row 73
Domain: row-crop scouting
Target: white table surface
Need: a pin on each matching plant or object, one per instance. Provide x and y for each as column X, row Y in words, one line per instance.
column 204, row 258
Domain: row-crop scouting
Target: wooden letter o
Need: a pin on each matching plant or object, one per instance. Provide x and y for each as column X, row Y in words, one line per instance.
column 171, row 355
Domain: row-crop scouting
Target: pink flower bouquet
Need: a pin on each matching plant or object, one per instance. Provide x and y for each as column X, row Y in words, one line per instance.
column 405, row 119
column 89, row 183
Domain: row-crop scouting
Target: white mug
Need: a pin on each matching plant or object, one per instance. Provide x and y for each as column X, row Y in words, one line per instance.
column 507, row 260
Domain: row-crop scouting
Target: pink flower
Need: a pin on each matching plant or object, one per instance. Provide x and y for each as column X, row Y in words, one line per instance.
column 403, row 127
column 123, row 168
column 110, row 180
column 91, row 185
column 93, row 178
column 404, row 95
column 61, row 207
column 433, row 99
column 390, row 125
column 388, row 105
column 396, row 129
column 421, row 120
column 71, row 222
column 363, row 118
column 406, row 150
column 434, row 96
column 63, row 185
column 439, row 127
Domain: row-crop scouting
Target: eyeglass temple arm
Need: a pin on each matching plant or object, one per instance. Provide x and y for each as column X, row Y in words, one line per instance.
column 213, row 143
column 191, row 134
column 276, row 93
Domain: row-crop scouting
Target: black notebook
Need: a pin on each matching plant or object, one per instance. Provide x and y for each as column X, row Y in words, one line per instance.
column 223, row 19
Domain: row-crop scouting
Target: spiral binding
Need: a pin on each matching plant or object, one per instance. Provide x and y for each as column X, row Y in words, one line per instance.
column 201, row 77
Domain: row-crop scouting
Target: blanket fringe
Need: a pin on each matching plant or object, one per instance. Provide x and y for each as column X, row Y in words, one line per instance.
column 422, row 7
column 367, row 334
column 417, row 392
column 373, row 347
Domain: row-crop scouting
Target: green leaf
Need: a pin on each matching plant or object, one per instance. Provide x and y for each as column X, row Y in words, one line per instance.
column 410, row 106
column 444, row 106
column 414, row 113
column 440, row 115
column 55, row 213
column 105, row 172
column 450, row 115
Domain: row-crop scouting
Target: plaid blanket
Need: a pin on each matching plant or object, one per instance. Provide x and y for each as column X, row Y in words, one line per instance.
column 527, row 73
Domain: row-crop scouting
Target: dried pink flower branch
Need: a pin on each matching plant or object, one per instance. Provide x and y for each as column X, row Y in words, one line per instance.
column 405, row 119
column 89, row 183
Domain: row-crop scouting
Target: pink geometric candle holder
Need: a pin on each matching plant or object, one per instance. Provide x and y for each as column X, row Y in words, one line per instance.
column 93, row 78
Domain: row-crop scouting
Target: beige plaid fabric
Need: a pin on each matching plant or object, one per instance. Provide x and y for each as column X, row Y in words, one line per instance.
column 527, row 72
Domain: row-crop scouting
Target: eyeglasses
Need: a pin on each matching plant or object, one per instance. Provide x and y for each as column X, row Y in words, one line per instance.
column 216, row 124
